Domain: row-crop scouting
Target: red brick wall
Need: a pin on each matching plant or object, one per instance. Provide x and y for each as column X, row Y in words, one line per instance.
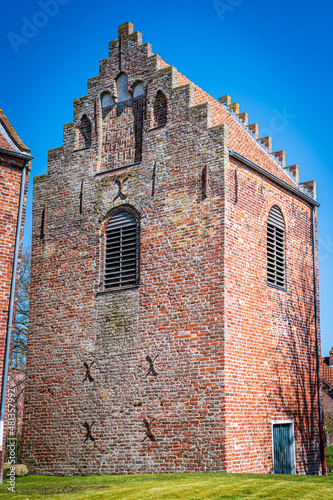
column 270, row 338
column 227, row 347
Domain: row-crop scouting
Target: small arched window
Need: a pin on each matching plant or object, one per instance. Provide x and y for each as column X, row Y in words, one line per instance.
column 121, row 251
column 106, row 101
column 122, row 88
column 138, row 89
column 276, row 248
column 160, row 110
column 84, row 139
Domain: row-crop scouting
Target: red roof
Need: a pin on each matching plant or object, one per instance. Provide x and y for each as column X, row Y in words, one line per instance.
column 8, row 137
column 326, row 372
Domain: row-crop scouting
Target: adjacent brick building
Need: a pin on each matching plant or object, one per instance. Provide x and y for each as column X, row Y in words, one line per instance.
column 327, row 386
column 14, row 156
column 172, row 296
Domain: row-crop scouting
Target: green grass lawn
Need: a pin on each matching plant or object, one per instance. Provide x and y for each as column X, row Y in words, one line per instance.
column 171, row 486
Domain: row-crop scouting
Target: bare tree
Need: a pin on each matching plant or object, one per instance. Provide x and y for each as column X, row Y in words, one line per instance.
column 328, row 426
column 22, row 312
column 17, row 373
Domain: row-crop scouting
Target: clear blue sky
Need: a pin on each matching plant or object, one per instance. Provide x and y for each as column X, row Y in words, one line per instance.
column 274, row 59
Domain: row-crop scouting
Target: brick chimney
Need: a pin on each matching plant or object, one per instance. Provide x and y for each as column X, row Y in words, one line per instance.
column 331, row 357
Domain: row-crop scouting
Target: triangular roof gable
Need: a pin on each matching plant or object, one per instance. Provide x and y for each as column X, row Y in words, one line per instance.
column 9, row 138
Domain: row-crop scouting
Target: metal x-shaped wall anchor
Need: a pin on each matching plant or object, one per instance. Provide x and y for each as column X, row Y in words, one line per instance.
column 88, row 428
column 149, row 433
column 120, row 183
column 88, row 374
column 151, row 367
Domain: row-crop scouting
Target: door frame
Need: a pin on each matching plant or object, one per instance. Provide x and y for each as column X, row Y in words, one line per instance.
column 293, row 452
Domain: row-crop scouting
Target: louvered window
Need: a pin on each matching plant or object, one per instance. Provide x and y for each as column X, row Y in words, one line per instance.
column 121, row 252
column 275, row 248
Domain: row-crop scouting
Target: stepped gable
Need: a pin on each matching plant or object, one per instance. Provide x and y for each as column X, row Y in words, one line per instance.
column 244, row 138
column 9, row 139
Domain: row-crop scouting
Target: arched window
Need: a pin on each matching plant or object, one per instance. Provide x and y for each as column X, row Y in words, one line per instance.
column 122, row 88
column 138, row 89
column 84, row 139
column 276, row 248
column 160, row 110
column 121, row 251
column 106, row 101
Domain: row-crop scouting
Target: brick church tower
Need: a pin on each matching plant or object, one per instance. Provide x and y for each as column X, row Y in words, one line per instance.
column 172, row 296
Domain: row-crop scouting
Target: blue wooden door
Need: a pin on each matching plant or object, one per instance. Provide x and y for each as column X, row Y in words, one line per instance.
column 283, row 448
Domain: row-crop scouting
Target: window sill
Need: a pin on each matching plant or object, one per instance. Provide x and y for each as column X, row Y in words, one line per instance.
column 283, row 289
column 117, row 169
column 157, row 128
column 81, row 149
column 117, row 290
